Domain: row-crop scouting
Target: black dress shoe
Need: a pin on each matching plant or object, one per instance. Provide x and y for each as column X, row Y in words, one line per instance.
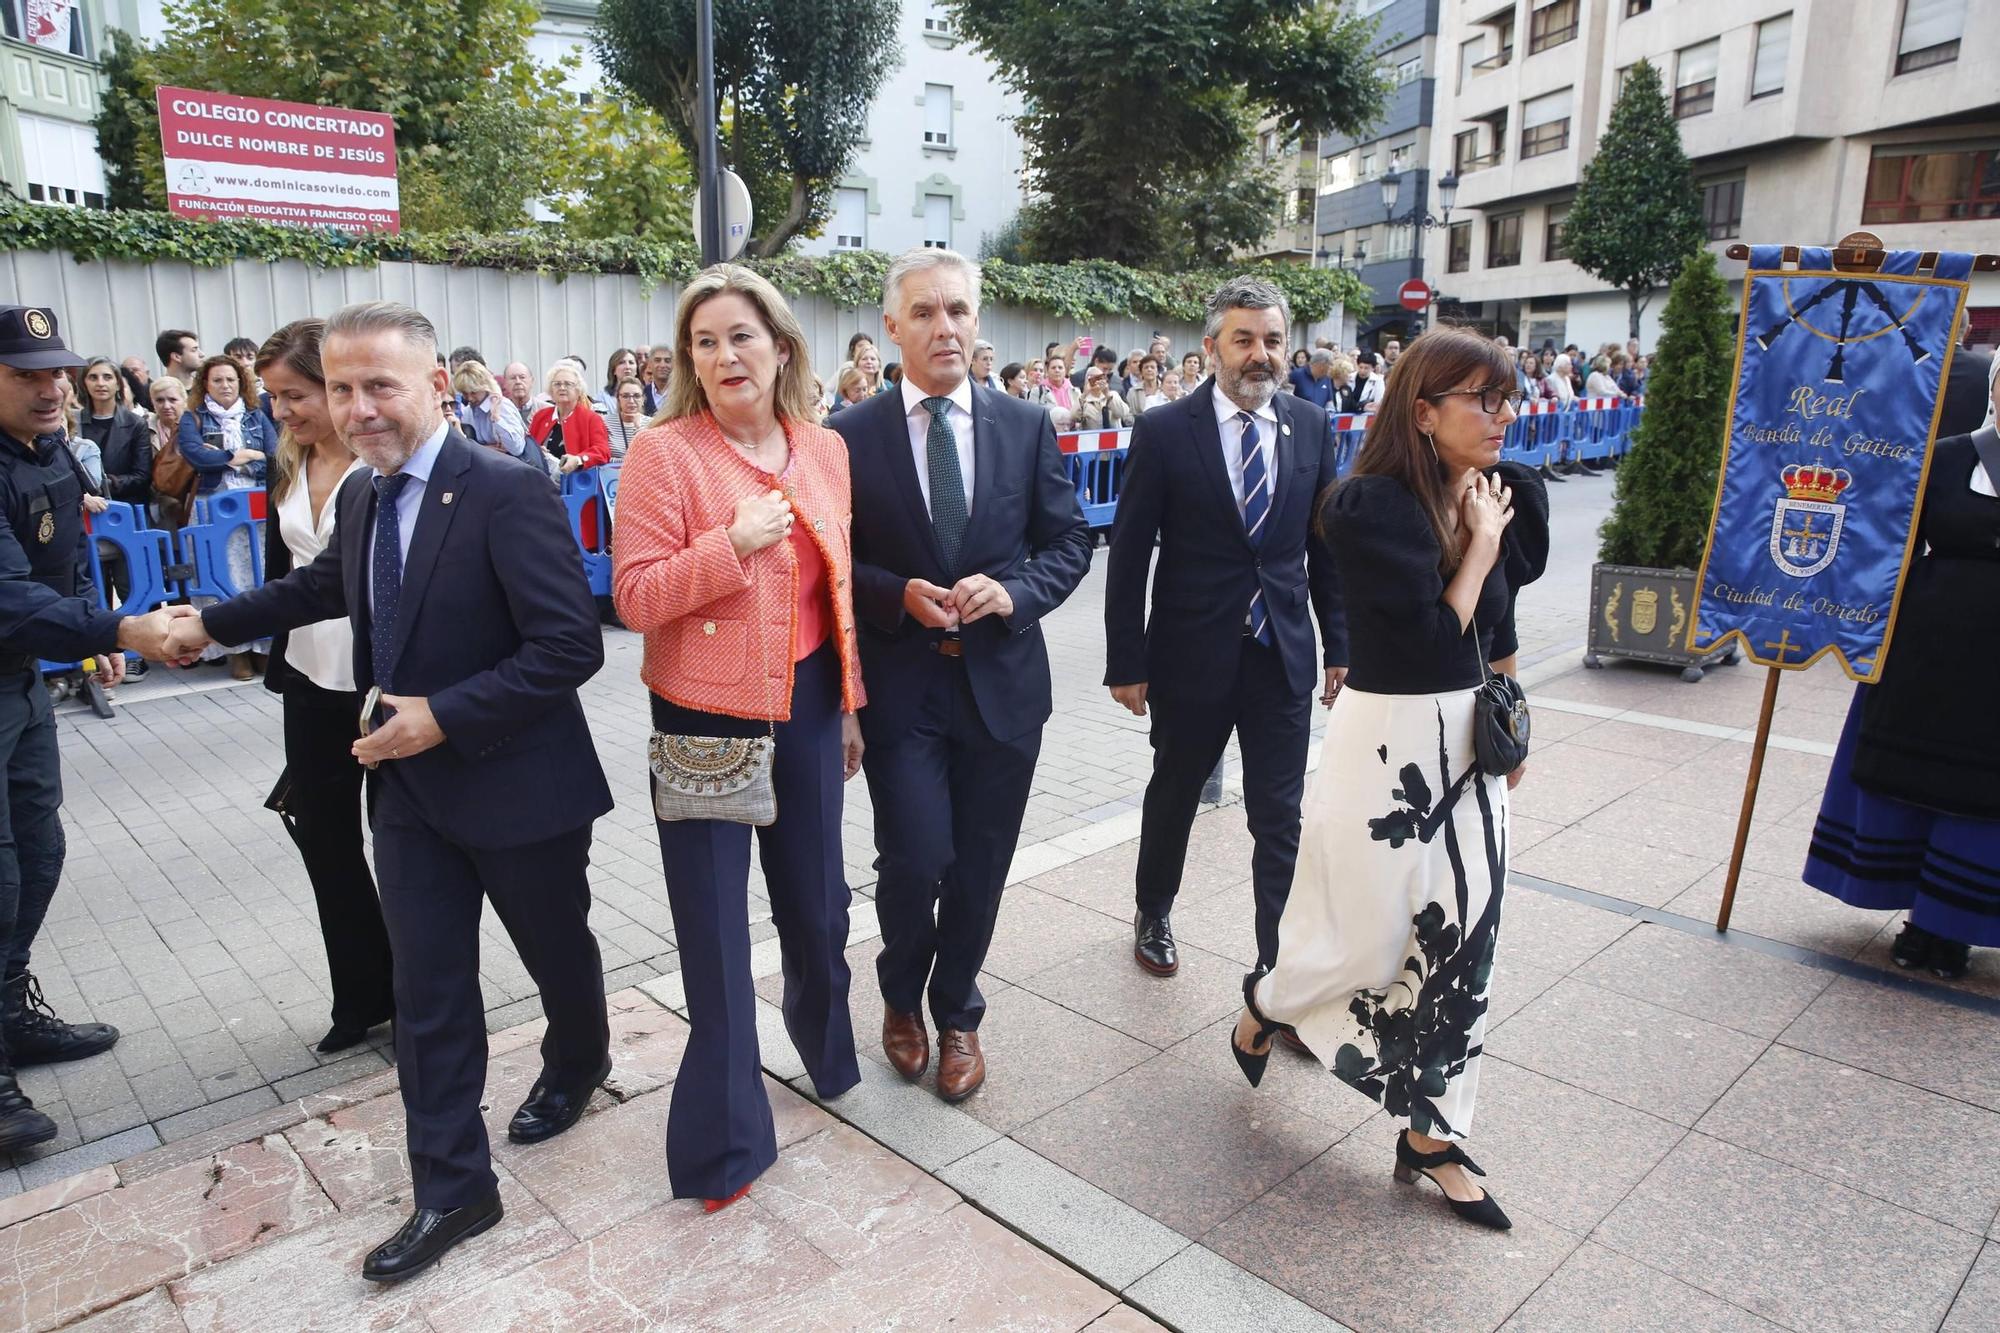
column 549, row 1111
column 1153, row 944
column 21, row 1125
column 35, row 1036
column 341, row 1036
column 423, row 1239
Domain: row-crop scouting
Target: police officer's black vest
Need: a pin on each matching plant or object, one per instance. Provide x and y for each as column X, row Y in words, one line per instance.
column 41, row 489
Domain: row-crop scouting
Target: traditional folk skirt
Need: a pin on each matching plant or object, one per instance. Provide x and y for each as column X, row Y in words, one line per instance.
column 1385, row 950
column 1877, row 852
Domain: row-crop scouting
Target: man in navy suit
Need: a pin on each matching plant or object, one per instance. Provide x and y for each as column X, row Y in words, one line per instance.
column 472, row 614
column 967, row 533
column 1227, row 481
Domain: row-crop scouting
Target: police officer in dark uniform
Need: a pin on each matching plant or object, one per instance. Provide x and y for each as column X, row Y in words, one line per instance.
column 41, row 616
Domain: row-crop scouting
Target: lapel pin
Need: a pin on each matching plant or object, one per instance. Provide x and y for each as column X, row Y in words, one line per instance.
column 1285, row 430
column 445, row 498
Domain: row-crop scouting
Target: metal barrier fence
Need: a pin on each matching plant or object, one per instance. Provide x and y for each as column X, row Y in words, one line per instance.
column 1586, row 430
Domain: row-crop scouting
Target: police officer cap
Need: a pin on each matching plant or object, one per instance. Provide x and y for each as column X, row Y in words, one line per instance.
column 29, row 340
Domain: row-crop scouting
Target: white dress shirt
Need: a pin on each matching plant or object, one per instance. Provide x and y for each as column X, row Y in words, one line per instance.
column 959, row 414
column 409, row 500
column 1231, row 431
column 323, row 652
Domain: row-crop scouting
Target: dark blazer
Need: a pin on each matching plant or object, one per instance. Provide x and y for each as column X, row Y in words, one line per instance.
column 1965, row 393
column 128, row 458
column 211, row 463
column 497, row 628
column 1026, row 531
column 1175, row 488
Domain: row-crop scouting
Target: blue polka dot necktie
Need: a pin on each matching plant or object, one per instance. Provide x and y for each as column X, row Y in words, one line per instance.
column 948, row 511
column 1256, row 508
column 388, row 575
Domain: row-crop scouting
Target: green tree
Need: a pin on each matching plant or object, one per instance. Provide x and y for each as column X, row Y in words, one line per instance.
column 1211, row 214
column 476, row 119
column 793, row 81
column 1129, row 111
column 625, row 175
column 1637, row 215
column 1666, row 484
column 127, row 119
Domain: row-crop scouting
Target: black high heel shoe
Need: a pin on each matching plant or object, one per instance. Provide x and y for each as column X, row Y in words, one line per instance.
column 1484, row 1211
column 1252, row 1064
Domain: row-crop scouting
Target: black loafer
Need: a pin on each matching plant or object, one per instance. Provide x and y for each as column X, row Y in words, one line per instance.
column 423, row 1240
column 1153, row 945
column 549, row 1111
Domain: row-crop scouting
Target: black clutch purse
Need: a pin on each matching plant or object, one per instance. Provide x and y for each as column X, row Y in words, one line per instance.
column 1501, row 723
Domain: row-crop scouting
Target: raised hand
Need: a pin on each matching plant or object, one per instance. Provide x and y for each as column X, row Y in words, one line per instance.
column 186, row 635
column 410, row 730
column 761, row 520
column 929, row 605
column 979, row 595
column 149, row 635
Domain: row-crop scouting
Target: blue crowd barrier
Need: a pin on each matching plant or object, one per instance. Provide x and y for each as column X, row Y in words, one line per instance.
column 588, row 493
column 205, row 543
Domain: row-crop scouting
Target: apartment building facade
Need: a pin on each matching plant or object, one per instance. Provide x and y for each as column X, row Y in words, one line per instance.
column 1804, row 120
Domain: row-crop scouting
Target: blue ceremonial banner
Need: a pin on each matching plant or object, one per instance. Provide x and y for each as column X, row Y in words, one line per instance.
column 1830, row 425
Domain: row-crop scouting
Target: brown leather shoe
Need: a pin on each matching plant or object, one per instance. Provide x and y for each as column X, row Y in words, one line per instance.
column 961, row 1068
column 906, row 1043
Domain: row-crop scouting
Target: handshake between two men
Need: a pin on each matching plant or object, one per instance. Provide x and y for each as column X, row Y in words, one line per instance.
column 176, row 636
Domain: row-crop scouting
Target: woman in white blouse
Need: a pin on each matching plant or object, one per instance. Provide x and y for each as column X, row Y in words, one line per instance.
column 312, row 668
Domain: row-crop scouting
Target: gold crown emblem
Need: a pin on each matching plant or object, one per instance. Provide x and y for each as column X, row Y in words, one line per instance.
column 37, row 324
column 1815, row 481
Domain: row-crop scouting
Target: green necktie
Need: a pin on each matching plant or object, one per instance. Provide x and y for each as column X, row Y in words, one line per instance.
column 948, row 512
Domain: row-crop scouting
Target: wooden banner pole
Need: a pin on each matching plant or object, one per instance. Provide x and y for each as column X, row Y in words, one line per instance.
column 1757, row 748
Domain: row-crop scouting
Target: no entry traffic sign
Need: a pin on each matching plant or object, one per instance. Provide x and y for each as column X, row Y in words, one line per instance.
column 1414, row 294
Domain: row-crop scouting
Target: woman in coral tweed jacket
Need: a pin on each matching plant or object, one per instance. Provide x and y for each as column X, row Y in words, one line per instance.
column 733, row 560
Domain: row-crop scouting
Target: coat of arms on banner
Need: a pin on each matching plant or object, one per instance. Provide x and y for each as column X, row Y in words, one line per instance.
column 1805, row 528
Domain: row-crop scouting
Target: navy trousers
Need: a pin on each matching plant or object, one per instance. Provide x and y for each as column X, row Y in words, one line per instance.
column 948, row 803
column 431, row 892
column 31, row 831
column 1273, row 725
column 719, row 1131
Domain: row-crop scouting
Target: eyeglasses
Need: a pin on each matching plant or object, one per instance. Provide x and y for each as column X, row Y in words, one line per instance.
column 1489, row 399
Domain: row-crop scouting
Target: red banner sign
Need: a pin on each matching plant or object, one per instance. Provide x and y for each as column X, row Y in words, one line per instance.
column 250, row 159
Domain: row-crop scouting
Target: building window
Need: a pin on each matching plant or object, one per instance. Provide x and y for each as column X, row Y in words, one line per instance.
column 1722, row 209
column 1468, row 59
column 1458, row 247
column 1938, row 186
column 1336, row 173
column 1545, row 125
column 1368, row 166
column 937, row 221
column 1551, row 25
column 1931, row 29
column 1553, row 245
column 1503, row 240
column 1634, row 8
column 1503, row 43
column 1694, row 79
column 850, row 219
column 1464, row 151
column 56, row 27
column 937, row 21
column 1774, row 48
column 937, row 115
column 59, row 161
column 1410, row 70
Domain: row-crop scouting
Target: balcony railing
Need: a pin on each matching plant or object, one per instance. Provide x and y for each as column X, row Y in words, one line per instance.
column 1481, row 162
column 1498, row 60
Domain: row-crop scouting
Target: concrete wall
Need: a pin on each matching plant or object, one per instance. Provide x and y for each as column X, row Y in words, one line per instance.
column 116, row 309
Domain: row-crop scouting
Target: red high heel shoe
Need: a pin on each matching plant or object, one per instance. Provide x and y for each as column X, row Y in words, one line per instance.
column 717, row 1205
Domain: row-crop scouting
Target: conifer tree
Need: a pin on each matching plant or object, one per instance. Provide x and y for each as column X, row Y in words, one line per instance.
column 1666, row 483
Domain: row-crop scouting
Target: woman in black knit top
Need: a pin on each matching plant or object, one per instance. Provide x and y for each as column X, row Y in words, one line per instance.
column 1385, row 950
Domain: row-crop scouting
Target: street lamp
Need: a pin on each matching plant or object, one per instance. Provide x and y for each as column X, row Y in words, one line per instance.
column 1392, row 189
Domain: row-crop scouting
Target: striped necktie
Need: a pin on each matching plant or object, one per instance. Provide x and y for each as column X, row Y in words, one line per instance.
column 1256, row 508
